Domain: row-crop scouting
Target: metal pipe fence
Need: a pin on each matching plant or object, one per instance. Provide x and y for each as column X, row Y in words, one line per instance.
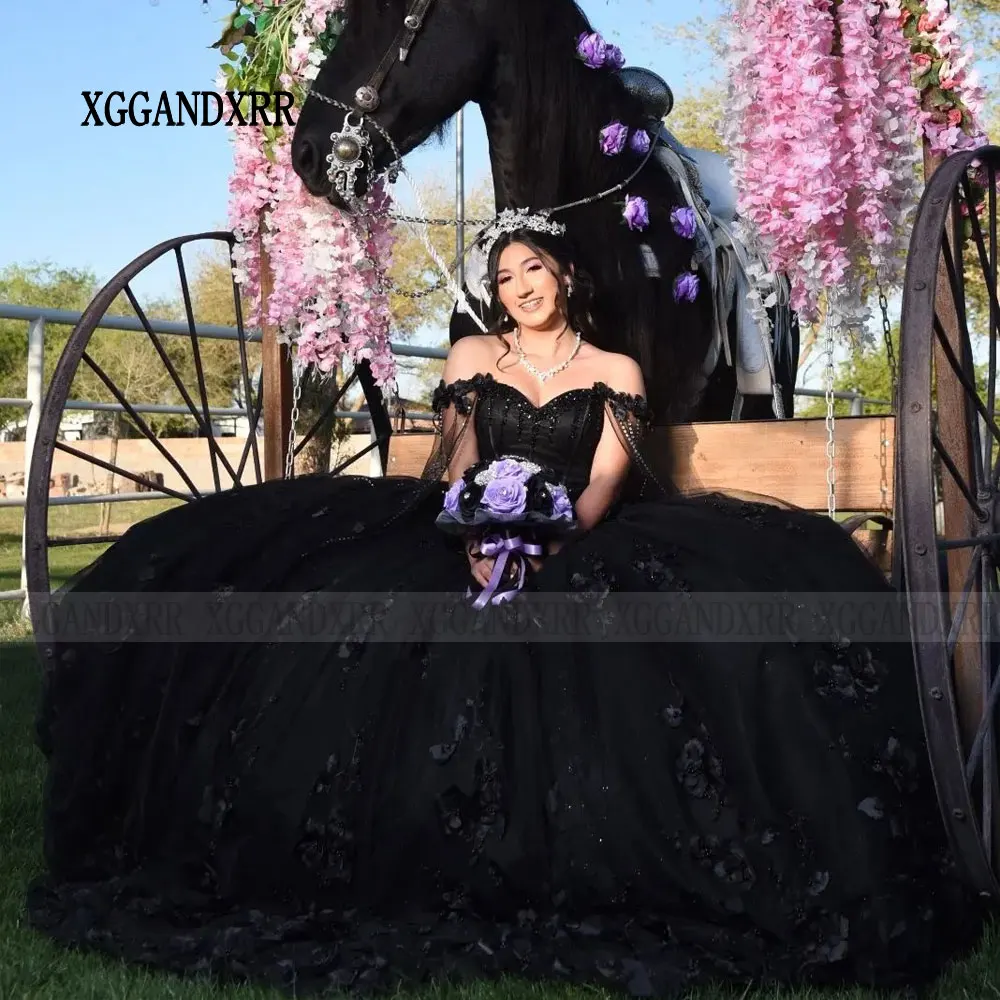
column 36, row 319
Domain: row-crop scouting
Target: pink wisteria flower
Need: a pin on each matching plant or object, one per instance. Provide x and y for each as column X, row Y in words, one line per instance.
column 327, row 298
column 825, row 140
column 937, row 28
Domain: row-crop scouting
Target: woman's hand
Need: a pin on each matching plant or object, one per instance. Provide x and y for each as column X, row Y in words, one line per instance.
column 481, row 566
column 535, row 562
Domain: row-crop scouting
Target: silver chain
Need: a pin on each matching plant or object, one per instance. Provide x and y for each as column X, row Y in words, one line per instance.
column 890, row 353
column 298, row 374
column 394, row 168
column 890, row 357
column 418, row 220
column 421, row 293
column 831, row 445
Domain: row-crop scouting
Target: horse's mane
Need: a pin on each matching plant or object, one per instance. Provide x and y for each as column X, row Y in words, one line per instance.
column 366, row 17
column 376, row 22
column 557, row 106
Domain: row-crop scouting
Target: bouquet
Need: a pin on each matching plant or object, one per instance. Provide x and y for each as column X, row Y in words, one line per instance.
column 504, row 499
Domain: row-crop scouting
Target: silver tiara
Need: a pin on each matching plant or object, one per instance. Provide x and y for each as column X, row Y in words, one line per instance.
column 511, row 220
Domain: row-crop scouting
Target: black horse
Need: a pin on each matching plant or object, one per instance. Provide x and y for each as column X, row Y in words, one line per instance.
column 543, row 110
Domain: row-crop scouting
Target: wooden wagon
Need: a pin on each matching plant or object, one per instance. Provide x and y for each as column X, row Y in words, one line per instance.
column 920, row 484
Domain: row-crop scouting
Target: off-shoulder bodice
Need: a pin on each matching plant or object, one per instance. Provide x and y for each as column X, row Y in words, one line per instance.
column 561, row 434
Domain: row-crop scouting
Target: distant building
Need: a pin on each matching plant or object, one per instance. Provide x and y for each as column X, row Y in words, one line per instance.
column 72, row 427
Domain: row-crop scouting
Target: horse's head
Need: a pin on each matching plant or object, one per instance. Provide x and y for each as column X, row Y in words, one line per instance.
column 400, row 70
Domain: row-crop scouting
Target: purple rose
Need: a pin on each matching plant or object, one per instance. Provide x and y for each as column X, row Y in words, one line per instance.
column 561, row 504
column 505, row 496
column 686, row 287
column 509, row 468
column 451, row 497
column 613, row 57
column 640, row 141
column 636, row 212
column 613, row 138
column 592, row 49
column 685, row 222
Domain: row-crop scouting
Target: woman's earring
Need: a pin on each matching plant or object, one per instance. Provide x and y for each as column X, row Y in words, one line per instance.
column 569, row 290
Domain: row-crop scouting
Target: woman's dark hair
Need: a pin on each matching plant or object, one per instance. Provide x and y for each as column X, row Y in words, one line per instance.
column 557, row 254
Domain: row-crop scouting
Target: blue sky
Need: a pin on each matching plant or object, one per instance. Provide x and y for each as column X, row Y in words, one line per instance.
column 97, row 197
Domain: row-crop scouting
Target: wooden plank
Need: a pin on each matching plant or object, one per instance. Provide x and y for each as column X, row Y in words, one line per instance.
column 276, row 376
column 408, row 453
column 785, row 459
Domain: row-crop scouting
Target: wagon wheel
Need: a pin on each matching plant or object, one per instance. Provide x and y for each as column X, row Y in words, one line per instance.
column 948, row 512
column 180, row 371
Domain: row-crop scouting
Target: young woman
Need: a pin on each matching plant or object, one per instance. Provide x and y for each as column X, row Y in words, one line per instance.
column 607, row 802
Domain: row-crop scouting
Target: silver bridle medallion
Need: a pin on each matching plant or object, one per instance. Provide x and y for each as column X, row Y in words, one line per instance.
column 351, row 151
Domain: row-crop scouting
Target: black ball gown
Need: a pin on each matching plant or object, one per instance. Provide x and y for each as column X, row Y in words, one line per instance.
column 360, row 813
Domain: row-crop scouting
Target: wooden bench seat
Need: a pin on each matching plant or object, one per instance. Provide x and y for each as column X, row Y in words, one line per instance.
column 780, row 458
column 785, row 459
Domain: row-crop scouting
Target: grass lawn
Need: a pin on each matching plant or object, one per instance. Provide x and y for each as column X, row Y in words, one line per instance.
column 31, row 967
column 64, row 520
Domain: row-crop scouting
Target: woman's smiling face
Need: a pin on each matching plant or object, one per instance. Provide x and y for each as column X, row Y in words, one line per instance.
column 530, row 289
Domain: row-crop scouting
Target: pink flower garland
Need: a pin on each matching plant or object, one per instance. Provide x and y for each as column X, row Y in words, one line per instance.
column 824, row 123
column 327, row 297
column 880, row 126
column 953, row 92
column 789, row 157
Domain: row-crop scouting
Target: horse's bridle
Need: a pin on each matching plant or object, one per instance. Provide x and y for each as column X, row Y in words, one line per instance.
column 352, row 143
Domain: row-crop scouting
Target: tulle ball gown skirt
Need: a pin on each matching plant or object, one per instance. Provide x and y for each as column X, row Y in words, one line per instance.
column 362, row 814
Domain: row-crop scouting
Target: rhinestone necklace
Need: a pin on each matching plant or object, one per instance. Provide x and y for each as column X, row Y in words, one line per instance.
column 542, row 376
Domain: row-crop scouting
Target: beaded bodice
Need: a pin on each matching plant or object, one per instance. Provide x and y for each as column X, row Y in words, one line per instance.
column 561, row 434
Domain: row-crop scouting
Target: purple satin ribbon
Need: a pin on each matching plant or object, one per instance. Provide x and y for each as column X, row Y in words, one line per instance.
column 504, row 549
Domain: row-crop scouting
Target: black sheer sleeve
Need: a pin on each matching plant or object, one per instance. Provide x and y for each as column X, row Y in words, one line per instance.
column 653, row 461
column 631, row 418
column 455, row 447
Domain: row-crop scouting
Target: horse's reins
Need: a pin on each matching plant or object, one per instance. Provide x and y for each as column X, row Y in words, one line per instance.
column 351, row 145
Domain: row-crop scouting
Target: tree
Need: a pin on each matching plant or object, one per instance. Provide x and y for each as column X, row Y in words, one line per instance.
column 130, row 361
column 866, row 371
column 981, row 17
column 212, row 302
column 413, row 271
column 47, row 286
column 426, row 375
column 695, row 116
column 696, row 120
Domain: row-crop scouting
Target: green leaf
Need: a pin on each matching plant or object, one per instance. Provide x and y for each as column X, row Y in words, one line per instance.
column 938, row 98
column 232, row 37
column 240, row 20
